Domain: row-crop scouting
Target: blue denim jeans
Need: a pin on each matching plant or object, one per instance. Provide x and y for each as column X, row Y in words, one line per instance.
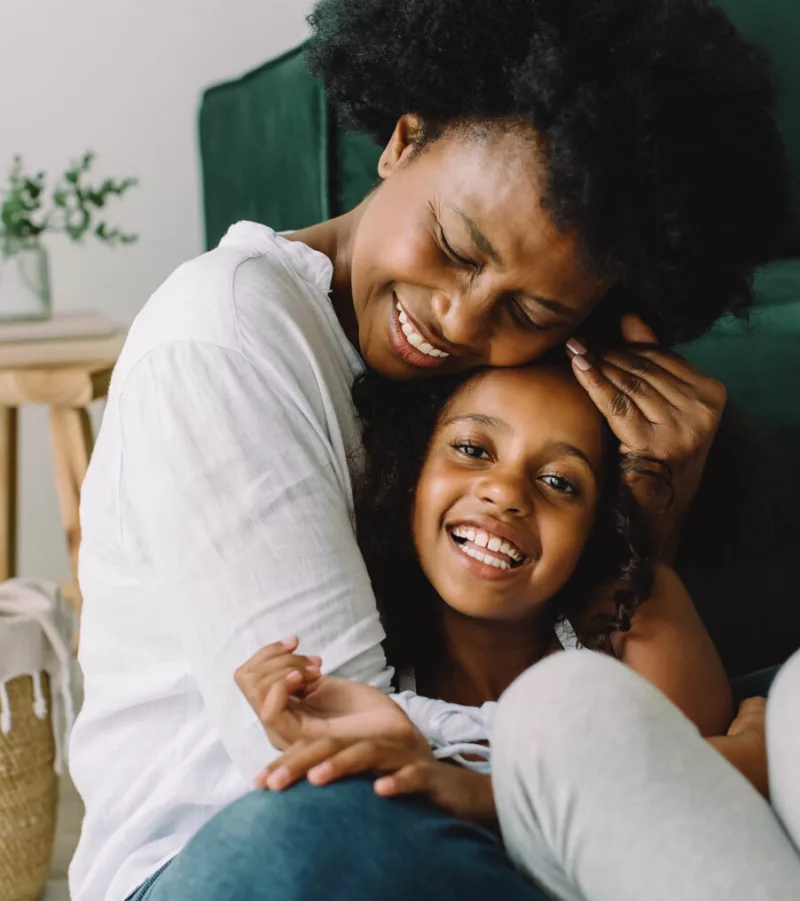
column 338, row 843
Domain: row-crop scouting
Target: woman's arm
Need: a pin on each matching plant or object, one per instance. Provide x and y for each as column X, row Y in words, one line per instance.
column 669, row 646
column 235, row 518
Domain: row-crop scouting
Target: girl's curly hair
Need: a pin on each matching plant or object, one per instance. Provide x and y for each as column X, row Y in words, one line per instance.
column 398, row 420
column 654, row 120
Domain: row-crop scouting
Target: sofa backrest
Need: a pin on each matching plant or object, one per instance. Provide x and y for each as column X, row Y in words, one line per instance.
column 775, row 26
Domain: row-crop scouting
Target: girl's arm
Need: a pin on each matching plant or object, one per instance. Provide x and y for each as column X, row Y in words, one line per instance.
column 669, row 646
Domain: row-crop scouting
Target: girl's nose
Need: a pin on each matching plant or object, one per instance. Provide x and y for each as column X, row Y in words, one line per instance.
column 506, row 492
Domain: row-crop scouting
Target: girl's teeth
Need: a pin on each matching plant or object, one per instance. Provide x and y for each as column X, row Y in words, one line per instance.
column 403, row 317
column 483, row 558
column 490, row 542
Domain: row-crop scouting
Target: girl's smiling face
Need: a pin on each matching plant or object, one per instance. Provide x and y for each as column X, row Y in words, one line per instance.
column 507, row 495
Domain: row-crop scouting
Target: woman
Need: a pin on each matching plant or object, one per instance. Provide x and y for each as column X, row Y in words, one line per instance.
column 547, row 168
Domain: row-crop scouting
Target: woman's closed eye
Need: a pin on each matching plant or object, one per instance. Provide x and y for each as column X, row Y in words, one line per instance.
column 523, row 316
column 453, row 255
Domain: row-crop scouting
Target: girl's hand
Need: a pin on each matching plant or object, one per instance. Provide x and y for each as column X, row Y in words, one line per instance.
column 665, row 413
column 295, row 702
column 461, row 792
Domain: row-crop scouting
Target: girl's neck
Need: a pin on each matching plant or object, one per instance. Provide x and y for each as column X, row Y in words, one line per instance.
column 335, row 238
column 479, row 659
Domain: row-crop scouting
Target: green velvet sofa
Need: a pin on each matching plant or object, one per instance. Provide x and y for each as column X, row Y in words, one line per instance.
column 273, row 151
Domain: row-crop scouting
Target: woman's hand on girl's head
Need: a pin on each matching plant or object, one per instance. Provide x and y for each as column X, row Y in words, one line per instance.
column 295, row 702
column 665, row 413
column 404, row 771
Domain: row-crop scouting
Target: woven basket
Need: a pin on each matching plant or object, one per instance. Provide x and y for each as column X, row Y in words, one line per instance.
column 28, row 795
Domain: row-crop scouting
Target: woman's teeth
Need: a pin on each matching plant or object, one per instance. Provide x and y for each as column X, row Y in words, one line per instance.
column 415, row 339
column 492, row 543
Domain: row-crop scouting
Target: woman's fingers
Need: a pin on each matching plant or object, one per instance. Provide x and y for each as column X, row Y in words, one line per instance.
column 695, row 380
column 619, row 409
column 641, row 370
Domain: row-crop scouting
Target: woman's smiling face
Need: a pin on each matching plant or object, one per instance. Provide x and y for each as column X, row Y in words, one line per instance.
column 507, row 495
column 455, row 263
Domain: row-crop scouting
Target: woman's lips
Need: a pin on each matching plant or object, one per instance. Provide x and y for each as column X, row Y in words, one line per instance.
column 421, row 356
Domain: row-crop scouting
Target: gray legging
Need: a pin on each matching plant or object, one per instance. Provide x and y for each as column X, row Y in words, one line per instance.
column 606, row 792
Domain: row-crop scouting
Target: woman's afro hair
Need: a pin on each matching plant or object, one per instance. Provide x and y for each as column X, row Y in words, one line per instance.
column 653, row 119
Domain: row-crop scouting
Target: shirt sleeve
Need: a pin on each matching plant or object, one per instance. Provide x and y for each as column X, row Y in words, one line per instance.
column 234, row 517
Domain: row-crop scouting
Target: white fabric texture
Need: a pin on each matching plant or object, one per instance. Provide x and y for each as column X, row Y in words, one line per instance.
column 454, row 730
column 217, row 517
column 783, row 747
column 607, row 792
column 36, row 637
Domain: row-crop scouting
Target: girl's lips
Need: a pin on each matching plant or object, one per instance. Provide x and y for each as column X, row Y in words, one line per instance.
column 487, row 571
column 406, row 351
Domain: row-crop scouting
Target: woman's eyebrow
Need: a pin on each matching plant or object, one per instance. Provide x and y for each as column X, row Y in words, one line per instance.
column 481, row 241
column 485, row 246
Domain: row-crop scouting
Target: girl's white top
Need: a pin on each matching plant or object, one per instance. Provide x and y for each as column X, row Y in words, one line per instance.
column 455, row 731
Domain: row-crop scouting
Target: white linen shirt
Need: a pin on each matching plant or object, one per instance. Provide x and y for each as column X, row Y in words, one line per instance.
column 217, row 517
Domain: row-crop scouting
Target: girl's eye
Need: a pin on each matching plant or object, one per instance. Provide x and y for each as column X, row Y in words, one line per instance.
column 454, row 255
column 468, row 449
column 560, row 484
column 524, row 317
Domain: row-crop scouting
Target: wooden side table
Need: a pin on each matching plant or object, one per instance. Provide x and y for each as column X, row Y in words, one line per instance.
column 48, row 373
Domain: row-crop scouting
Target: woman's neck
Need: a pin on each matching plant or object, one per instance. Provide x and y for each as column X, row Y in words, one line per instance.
column 334, row 238
column 480, row 659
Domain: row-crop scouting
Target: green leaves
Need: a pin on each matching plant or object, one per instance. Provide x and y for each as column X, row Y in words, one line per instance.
column 73, row 203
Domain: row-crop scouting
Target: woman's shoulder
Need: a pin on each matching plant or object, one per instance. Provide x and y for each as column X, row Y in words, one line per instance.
column 253, row 294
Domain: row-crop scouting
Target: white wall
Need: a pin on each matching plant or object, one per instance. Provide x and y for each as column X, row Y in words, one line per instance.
column 122, row 77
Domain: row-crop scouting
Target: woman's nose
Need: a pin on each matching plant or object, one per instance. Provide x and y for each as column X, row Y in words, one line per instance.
column 464, row 320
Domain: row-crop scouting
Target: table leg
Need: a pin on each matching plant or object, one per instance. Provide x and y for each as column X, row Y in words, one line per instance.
column 8, row 492
column 71, row 434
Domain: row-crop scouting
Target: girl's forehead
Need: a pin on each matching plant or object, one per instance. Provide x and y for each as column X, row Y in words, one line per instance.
column 531, row 400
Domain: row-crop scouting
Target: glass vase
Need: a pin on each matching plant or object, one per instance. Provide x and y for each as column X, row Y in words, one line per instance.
column 24, row 280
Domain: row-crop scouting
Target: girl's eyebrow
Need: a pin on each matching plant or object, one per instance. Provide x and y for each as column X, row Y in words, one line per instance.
column 571, row 451
column 481, row 419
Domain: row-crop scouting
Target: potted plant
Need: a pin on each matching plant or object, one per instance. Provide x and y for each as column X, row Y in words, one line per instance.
column 28, row 212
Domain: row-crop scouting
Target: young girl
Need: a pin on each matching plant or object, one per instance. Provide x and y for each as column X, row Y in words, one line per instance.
column 523, row 540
